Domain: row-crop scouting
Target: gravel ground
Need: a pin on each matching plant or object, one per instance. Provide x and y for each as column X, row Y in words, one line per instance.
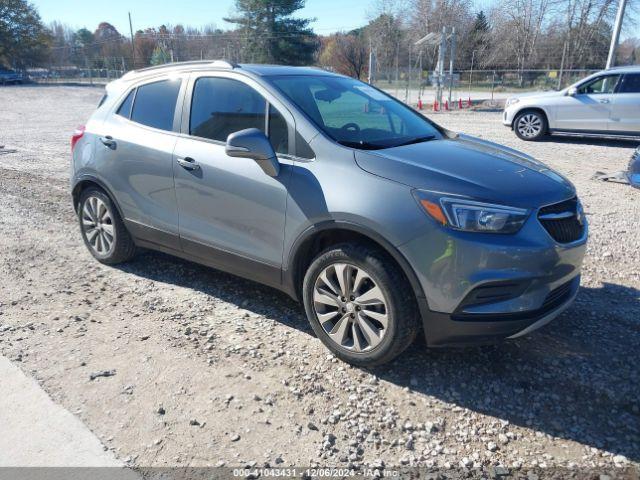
column 199, row 368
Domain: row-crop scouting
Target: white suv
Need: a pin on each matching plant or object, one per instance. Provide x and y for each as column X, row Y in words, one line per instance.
column 606, row 103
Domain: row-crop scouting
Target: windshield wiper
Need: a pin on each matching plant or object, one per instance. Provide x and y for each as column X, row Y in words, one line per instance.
column 361, row 145
column 424, row 138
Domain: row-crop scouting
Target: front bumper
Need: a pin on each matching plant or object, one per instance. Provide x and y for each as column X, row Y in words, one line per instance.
column 507, row 117
column 481, row 287
column 442, row 329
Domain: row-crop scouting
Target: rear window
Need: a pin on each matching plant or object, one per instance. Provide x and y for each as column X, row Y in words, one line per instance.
column 630, row 83
column 155, row 104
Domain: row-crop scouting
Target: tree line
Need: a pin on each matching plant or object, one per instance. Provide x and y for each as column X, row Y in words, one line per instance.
column 508, row 34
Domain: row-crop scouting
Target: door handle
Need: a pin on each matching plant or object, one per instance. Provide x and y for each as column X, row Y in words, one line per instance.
column 188, row 163
column 604, row 100
column 109, row 142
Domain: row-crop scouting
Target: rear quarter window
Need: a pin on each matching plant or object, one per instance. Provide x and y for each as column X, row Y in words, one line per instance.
column 125, row 107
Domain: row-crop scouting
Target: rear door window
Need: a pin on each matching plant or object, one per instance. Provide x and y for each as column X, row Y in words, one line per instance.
column 630, row 83
column 155, row 104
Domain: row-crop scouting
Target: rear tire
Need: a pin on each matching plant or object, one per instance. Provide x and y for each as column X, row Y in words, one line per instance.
column 530, row 125
column 103, row 231
column 360, row 304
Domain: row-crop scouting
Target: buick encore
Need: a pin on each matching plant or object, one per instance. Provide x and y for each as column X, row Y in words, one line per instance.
column 605, row 104
column 382, row 223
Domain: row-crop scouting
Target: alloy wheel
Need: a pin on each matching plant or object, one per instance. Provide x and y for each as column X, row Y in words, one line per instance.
column 529, row 125
column 350, row 307
column 97, row 224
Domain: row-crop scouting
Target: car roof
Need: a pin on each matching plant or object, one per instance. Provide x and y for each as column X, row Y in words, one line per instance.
column 624, row 69
column 218, row 65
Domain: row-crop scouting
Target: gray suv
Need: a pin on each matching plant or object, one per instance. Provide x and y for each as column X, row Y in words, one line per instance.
column 381, row 222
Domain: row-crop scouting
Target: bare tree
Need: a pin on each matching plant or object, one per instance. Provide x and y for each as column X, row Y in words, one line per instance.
column 345, row 53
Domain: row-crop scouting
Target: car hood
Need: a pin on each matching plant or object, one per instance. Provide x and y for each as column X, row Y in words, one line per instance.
column 470, row 167
column 532, row 95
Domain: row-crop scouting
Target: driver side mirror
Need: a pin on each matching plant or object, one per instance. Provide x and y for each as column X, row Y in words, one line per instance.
column 572, row 92
column 252, row 143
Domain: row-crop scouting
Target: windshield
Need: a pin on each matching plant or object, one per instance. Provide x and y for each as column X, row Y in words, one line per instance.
column 354, row 114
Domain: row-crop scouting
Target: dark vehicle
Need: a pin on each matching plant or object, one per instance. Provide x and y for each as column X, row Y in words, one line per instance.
column 8, row 77
column 381, row 222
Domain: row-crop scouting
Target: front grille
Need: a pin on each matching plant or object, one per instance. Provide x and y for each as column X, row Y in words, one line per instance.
column 563, row 221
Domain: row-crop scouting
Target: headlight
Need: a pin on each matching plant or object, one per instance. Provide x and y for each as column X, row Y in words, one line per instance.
column 511, row 101
column 471, row 216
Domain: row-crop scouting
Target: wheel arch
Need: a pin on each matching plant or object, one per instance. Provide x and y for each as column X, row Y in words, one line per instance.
column 536, row 109
column 86, row 181
column 323, row 235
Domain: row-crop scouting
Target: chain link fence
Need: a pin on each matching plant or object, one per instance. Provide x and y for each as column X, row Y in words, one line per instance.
column 477, row 86
column 73, row 75
column 489, row 87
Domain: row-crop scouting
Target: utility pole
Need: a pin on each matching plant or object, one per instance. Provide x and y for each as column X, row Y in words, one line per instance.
column 452, row 55
column 616, row 33
column 564, row 52
column 133, row 46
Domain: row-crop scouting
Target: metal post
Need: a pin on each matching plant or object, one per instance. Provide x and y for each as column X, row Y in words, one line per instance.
column 397, row 67
column 370, row 76
column 493, row 84
column 473, row 55
column 440, row 69
column 420, row 75
column 452, row 55
column 406, row 96
column 616, row 33
column 133, row 46
column 564, row 52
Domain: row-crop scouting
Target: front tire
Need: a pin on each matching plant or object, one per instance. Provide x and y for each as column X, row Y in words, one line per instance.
column 103, row 231
column 530, row 125
column 360, row 304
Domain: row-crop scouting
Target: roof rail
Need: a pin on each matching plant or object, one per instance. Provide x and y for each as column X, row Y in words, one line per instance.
column 213, row 63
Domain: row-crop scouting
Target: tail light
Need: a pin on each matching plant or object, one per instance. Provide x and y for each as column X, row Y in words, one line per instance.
column 77, row 135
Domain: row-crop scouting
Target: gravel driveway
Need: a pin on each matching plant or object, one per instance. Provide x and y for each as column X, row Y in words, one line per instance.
column 201, row 368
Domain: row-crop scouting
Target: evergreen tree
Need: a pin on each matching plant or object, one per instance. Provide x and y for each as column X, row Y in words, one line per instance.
column 479, row 39
column 159, row 56
column 481, row 24
column 270, row 33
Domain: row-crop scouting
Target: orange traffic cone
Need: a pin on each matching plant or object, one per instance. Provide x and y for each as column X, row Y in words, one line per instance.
column 419, row 104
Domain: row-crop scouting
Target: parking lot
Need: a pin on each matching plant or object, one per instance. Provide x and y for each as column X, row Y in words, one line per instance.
column 209, row 369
